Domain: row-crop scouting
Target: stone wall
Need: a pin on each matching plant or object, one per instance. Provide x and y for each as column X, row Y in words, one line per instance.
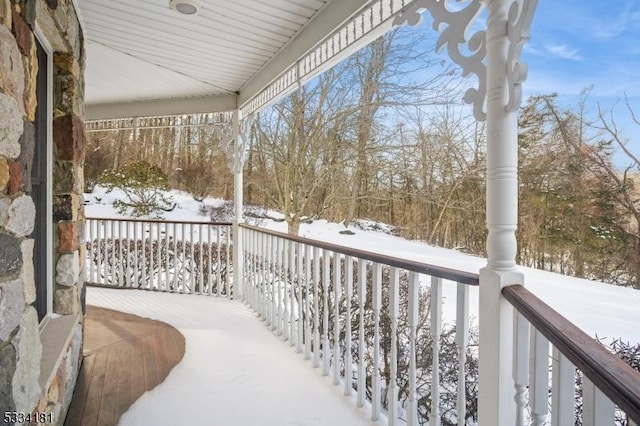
column 20, row 340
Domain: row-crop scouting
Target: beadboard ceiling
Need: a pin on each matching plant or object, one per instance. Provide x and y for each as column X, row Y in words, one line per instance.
column 142, row 51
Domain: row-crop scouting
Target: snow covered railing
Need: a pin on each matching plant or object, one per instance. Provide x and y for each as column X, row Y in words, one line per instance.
column 373, row 323
column 604, row 380
column 174, row 256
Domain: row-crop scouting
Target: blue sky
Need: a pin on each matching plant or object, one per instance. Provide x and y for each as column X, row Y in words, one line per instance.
column 577, row 44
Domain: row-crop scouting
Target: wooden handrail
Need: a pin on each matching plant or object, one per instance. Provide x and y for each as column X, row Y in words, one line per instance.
column 409, row 265
column 610, row 374
column 179, row 222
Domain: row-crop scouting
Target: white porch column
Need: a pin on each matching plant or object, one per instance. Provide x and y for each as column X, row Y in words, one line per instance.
column 499, row 84
column 496, row 396
column 238, row 218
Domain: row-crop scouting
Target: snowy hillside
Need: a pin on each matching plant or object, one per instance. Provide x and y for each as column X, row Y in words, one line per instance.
column 600, row 309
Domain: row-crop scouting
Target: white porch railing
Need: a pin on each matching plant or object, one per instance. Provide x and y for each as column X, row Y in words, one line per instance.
column 175, row 256
column 375, row 324
column 547, row 350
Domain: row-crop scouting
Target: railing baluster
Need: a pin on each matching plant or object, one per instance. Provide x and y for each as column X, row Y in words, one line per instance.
column 246, row 273
column 272, row 275
column 436, row 329
column 114, row 279
column 291, row 293
column 174, row 276
column 392, row 386
column 164, row 242
column 348, row 362
column 181, row 261
column 219, row 261
column 362, row 299
column 143, row 235
column 337, row 280
column 210, row 261
column 90, row 250
column 249, row 264
column 194, row 266
column 539, row 378
column 563, row 390
column 257, row 275
column 377, row 301
column 229, row 261
column 152, row 256
column 597, row 409
column 308, row 325
column 412, row 311
column 270, row 287
column 316, row 307
column 262, row 274
column 286, row 279
column 136, row 257
column 201, row 264
column 282, row 278
column 299, row 303
column 325, row 312
column 100, row 233
column 259, row 272
column 246, row 264
column 121, row 278
column 128, row 258
column 520, row 365
column 162, row 250
column 462, row 340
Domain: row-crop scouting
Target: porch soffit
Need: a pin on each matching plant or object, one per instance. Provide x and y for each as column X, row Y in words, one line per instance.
column 145, row 59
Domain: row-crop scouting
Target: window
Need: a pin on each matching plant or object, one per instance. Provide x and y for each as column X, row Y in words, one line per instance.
column 41, row 185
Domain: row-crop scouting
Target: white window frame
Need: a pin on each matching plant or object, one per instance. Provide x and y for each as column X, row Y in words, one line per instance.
column 49, row 270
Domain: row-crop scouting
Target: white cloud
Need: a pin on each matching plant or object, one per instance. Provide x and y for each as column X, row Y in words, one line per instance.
column 564, row 52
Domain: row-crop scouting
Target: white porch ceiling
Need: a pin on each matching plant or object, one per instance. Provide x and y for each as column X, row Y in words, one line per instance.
column 145, row 59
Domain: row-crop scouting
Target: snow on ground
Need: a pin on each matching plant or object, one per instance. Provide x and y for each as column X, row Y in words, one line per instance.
column 602, row 310
column 234, row 371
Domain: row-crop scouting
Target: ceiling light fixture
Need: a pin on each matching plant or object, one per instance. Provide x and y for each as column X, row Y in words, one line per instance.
column 185, row 7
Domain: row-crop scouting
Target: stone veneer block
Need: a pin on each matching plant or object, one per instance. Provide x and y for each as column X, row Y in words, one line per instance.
column 7, row 368
column 62, row 208
column 5, row 202
column 11, row 71
column 10, row 126
column 24, row 37
column 28, row 273
column 5, row 13
column 67, row 237
column 68, row 269
column 15, row 178
column 69, row 138
column 63, row 177
column 4, row 172
column 10, row 257
column 11, row 306
column 26, row 387
column 27, row 147
column 27, row 46
column 21, row 216
column 67, row 300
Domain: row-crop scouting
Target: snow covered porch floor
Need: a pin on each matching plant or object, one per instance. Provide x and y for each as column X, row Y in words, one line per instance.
column 234, row 372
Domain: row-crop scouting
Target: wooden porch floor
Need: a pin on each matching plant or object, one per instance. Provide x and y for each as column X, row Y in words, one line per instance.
column 124, row 355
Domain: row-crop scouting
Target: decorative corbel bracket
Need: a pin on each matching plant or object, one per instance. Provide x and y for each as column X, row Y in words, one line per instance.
column 233, row 141
column 453, row 25
column 518, row 26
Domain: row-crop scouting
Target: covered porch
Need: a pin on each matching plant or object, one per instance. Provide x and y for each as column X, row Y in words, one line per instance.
column 317, row 296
